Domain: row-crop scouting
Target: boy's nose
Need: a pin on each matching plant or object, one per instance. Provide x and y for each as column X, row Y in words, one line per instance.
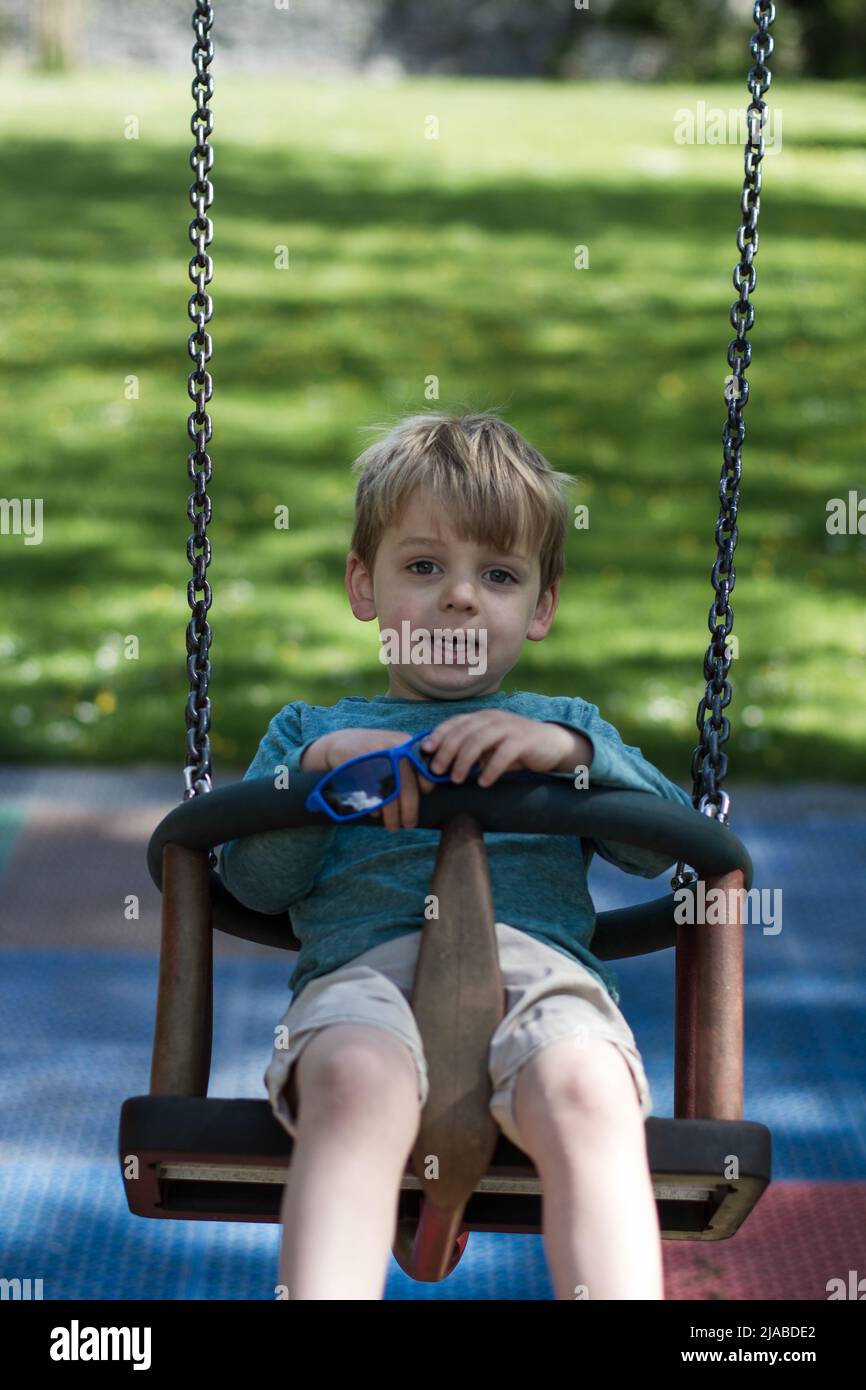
column 461, row 595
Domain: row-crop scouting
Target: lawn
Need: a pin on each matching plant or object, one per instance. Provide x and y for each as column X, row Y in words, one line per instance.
column 410, row 258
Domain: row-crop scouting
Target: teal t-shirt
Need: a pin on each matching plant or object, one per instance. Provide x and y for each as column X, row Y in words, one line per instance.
column 350, row 888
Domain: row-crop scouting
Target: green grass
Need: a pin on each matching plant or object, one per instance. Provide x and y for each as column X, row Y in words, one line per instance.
column 412, row 257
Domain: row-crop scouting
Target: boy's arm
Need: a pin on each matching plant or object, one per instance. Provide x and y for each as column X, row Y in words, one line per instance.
column 270, row 871
column 617, row 764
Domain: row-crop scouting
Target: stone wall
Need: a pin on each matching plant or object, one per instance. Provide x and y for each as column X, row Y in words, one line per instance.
column 494, row 38
column 630, row 39
column 489, row 37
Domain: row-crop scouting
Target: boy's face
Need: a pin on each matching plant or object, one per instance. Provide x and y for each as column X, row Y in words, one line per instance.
column 427, row 579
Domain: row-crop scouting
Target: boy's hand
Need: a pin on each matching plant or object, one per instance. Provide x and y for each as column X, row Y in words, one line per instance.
column 503, row 742
column 343, row 744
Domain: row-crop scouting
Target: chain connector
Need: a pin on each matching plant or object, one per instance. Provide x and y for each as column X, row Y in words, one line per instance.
column 683, row 877
column 195, row 786
column 707, row 807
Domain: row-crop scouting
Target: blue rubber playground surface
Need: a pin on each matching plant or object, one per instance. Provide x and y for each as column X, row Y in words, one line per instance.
column 78, row 997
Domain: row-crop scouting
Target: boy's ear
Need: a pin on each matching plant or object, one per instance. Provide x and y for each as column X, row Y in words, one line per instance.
column 359, row 587
column 545, row 609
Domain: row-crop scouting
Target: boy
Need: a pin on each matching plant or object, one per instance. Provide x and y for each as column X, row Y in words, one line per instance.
column 459, row 529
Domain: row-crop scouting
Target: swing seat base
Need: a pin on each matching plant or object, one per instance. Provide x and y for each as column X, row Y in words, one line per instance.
column 200, row 1158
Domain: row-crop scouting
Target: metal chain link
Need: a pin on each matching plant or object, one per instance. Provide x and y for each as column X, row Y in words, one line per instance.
column 709, row 764
column 197, row 769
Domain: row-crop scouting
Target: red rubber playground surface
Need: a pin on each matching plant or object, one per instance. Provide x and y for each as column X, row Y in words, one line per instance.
column 78, row 996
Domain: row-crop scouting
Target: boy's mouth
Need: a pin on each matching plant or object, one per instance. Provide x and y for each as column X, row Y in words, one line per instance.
column 465, row 648
column 454, row 645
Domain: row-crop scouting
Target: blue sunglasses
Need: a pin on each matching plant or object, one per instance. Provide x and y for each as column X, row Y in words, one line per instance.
column 366, row 783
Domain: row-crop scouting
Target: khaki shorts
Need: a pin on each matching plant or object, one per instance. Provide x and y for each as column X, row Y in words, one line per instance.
column 547, row 996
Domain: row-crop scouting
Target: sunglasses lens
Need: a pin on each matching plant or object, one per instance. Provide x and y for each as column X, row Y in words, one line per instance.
column 360, row 788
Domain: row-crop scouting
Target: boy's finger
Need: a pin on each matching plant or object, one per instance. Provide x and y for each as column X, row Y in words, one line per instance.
column 409, row 799
column 391, row 815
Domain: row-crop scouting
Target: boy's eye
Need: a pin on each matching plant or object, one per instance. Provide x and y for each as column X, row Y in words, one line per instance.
column 495, row 570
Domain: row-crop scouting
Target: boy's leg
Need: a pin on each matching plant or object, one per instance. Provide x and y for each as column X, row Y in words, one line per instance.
column 357, row 1119
column 577, row 1109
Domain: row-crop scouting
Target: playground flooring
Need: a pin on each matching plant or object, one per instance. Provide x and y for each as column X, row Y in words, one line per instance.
column 78, row 986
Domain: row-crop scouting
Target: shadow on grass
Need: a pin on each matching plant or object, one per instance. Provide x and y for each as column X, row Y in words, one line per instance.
column 617, row 376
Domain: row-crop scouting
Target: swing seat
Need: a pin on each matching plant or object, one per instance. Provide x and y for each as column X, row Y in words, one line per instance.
column 187, row 1156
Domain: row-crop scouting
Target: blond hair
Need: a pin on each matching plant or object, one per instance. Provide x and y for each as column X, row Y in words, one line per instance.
column 498, row 489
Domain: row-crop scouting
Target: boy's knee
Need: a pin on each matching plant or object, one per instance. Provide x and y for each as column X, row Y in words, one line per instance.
column 348, row 1066
column 571, row 1076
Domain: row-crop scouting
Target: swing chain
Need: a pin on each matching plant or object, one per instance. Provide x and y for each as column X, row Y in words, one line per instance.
column 197, row 769
column 709, row 765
